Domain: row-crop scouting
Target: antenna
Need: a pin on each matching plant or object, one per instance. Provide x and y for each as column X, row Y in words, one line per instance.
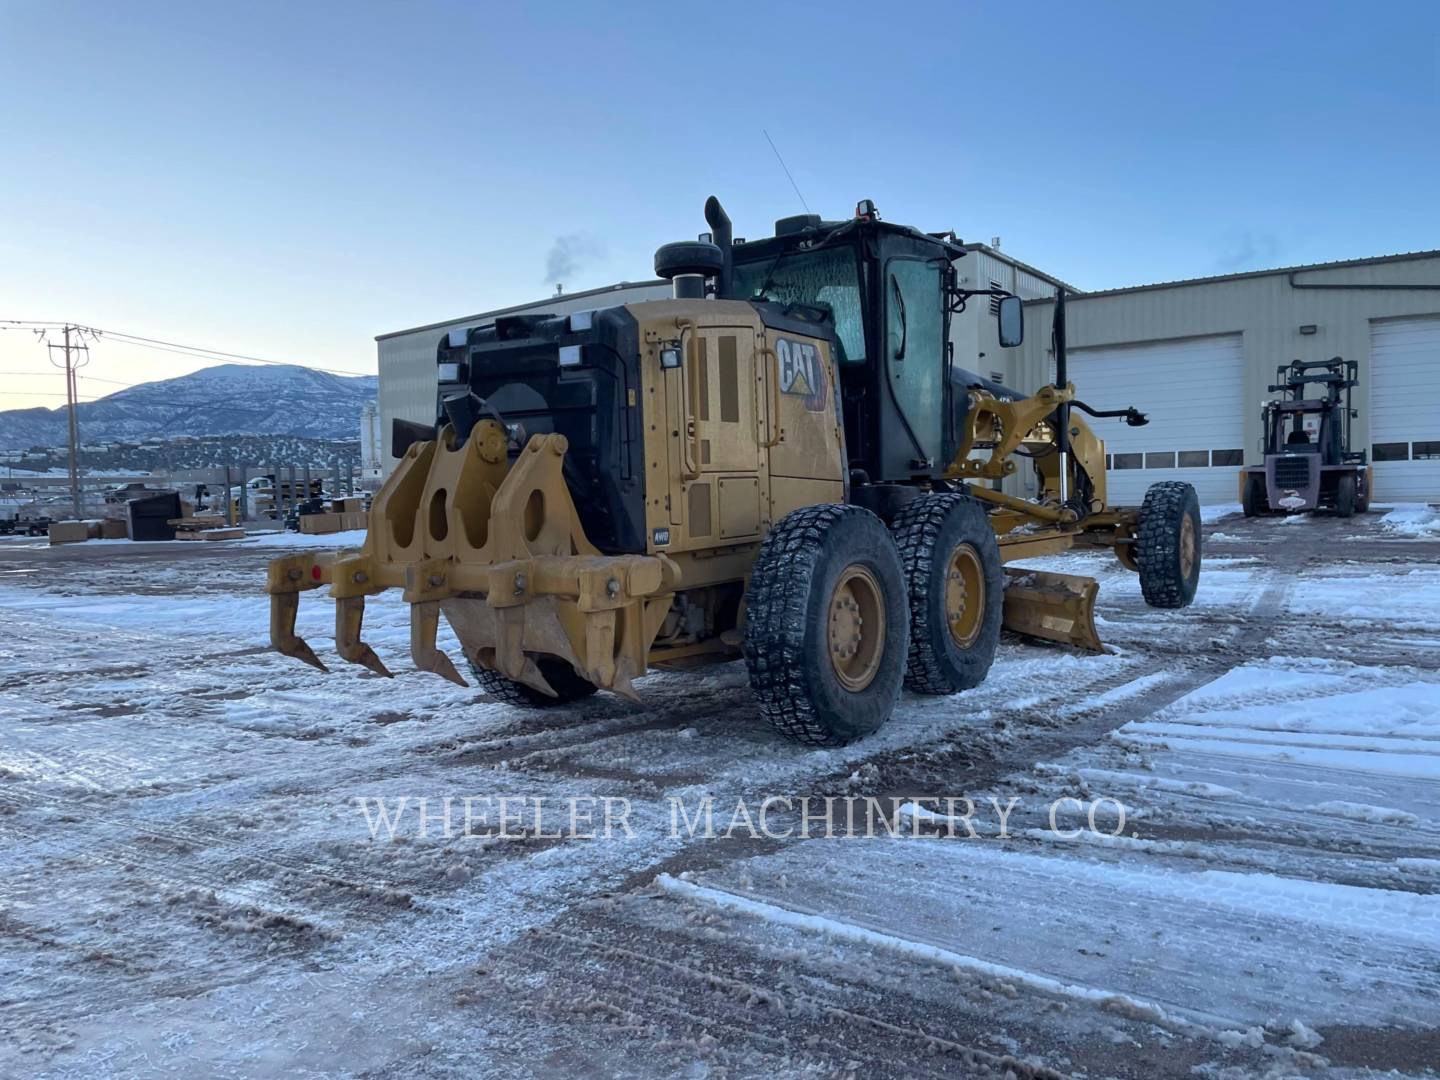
column 787, row 170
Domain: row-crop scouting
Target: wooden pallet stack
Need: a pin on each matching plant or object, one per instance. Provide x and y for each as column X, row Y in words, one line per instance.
column 344, row 515
column 206, row 527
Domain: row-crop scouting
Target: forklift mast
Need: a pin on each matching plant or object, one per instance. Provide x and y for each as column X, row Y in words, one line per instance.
column 1335, row 378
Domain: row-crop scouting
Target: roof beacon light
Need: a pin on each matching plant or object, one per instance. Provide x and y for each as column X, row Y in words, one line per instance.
column 865, row 210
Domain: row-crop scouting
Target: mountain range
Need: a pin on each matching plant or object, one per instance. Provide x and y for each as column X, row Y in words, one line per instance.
column 228, row 399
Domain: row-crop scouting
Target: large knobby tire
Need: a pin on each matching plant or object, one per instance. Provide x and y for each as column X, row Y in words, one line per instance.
column 1167, row 545
column 1362, row 500
column 826, row 624
column 558, row 673
column 1345, row 495
column 956, row 589
column 1253, row 497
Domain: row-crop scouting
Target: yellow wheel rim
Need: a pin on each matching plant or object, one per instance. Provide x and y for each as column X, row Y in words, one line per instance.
column 1187, row 545
column 964, row 595
column 856, row 631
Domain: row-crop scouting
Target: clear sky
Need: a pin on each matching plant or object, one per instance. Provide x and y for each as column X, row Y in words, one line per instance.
column 290, row 179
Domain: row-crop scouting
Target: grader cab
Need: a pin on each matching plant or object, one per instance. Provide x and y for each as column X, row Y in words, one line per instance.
column 782, row 462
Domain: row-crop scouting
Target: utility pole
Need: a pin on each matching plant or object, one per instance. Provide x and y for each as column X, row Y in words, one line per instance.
column 71, row 364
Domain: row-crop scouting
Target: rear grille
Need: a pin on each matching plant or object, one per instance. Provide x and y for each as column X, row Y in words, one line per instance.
column 1292, row 472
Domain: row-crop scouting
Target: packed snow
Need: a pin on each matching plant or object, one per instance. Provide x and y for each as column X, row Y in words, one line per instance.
column 1414, row 520
column 1214, row 512
column 1212, row 851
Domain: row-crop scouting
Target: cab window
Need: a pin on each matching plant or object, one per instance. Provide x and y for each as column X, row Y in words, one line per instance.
column 825, row 276
column 915, row 346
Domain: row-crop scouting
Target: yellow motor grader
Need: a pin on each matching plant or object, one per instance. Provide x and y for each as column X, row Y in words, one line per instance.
column 783, row 462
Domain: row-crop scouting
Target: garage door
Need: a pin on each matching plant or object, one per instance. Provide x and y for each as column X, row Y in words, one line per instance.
column 1194, row 394
column 1405, row 409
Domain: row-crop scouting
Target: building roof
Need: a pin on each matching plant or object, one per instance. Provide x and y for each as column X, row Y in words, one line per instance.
column 1338, row 264
column 524, row 307
column 996, row 253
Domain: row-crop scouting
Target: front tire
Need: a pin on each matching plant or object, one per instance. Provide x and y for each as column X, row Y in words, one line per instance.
column 956, row 589
column 1167, row 546
column 1345, row 495
column 826, row 625
column 1252, row 500
column 558, row 673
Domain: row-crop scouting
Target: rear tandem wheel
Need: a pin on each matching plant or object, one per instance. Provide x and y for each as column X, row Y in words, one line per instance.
column 956, row 590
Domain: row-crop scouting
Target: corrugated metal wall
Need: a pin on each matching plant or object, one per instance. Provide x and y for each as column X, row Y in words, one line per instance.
column 1265, row 309
column 974, row 331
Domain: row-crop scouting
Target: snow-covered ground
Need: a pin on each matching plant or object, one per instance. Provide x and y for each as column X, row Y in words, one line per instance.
column 1418, row 520
column 194, row 877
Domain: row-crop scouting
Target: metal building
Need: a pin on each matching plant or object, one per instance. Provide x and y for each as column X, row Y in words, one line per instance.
column 974, row 333
column 1198, row 356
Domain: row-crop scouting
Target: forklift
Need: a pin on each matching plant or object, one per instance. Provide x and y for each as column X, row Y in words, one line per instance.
column 1308, row 463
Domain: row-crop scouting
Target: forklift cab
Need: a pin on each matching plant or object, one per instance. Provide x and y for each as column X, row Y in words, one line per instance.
column 890, row 292
column 1292, row 430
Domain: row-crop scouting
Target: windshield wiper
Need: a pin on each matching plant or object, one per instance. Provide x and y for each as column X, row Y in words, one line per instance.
column 762, row 293
column 825, row 241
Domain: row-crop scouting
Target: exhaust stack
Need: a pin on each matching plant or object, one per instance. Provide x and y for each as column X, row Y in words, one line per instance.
column 723, row 236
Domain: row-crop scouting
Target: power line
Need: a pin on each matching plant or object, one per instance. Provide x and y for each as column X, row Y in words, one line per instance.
column 172, row 346
column 199, row 351
column 222, row 357
column 34, row 393
column 92, row 378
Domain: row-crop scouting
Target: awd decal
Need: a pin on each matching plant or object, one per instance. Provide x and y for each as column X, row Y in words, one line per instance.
column 802, row 373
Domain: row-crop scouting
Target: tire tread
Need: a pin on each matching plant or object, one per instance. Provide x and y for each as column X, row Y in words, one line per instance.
column 917, row 530
column 1157, row 542
column 517, row 693
column 776, row 602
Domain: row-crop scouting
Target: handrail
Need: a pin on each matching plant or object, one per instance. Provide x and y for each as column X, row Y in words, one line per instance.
column 774, row 399
column 690, row 444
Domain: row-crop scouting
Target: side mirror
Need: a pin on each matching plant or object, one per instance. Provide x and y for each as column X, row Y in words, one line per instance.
column 1010, row 321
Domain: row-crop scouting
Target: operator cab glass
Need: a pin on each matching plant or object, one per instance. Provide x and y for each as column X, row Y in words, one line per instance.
column 826, row 277
column 885, row 288
column 915, row 347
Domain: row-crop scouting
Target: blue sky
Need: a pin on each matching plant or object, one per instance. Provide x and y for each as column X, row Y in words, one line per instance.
column 288, row 180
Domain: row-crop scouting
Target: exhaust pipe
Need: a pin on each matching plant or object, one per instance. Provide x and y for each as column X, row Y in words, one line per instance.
column 688, row 286
column 723, row 237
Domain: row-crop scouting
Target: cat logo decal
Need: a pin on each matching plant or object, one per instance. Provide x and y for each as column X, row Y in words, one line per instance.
column 802, row 373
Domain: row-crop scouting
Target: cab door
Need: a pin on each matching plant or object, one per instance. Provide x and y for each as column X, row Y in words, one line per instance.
column 913, row 364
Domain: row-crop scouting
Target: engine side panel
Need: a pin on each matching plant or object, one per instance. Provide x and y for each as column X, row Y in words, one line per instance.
column 744, row 430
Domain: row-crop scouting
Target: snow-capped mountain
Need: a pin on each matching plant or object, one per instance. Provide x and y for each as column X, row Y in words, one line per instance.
column 229, row 399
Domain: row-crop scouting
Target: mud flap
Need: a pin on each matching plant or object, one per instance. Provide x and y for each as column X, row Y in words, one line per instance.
column 1054, row 607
